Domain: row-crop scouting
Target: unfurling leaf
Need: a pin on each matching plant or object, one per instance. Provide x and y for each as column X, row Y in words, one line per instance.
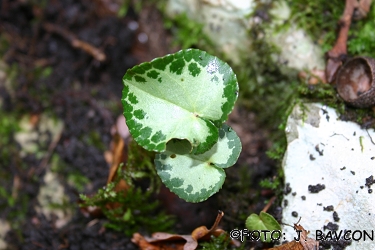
column 264, row 221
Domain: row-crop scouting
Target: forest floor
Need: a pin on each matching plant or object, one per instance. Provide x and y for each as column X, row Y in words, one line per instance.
column 81, row 86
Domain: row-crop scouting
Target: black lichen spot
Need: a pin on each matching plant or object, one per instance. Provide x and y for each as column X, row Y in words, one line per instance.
column 173, row 156
column 343, row 168
column 294, row 193
column 370, row 191
column 303, row 197
column 194, row 69
column 331, row 226
column 285, row 203
column 328, row 208
column 316, row 188
column 336, row 217
column 353, row 173
column 287, row 189
column 312, row 158
column 328, row 242
column 319, row 204
column 294, row 214
column 361, row 187
column 372, row 158
column 370, row 181
column 317, row 149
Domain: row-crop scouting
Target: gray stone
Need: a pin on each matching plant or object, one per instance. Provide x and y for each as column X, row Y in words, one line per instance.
column 339, row 155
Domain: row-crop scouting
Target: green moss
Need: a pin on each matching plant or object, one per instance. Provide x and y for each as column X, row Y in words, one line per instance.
column 188, row 33
column 4, row 194
column 363, row 36
column 4, row 44
column 319, row 18
column 326, row 94
column 8, row 126
column 134, row 209
column 220, row 242
column 78, row 181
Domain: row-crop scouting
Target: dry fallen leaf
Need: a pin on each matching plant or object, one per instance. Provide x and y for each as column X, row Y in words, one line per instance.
column 119, row 155
column 166, row 241
column 304, row 243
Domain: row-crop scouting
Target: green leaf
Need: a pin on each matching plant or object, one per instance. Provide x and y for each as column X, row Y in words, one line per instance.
column 195, row 178
column 264, row 221
column 186, row 95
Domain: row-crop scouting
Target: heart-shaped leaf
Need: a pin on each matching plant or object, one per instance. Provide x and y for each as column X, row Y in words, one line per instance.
column 186, row 95
column 264, row 221
column 193, row 177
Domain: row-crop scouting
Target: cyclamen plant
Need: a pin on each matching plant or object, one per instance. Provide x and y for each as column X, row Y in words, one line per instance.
column 177, row 105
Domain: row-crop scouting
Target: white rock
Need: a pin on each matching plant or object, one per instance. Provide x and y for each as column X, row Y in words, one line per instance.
column 297, row 50
column 346, row 159
column 228, row 25
column 225, row 22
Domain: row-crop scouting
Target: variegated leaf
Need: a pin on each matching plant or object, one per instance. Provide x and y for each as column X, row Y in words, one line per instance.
column 195, row 178
column 186, row 95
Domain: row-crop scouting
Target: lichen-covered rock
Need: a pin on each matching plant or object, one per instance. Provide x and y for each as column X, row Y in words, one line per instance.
column 225, row 22
column 297, row 49
column 228, row 24
column 329, row 169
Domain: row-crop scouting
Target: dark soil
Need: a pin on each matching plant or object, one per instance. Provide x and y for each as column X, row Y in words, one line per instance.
column 85, row 92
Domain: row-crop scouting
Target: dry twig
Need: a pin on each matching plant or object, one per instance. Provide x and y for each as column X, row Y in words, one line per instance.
column 75, row 42
column 353, row 9
column 336, row 54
